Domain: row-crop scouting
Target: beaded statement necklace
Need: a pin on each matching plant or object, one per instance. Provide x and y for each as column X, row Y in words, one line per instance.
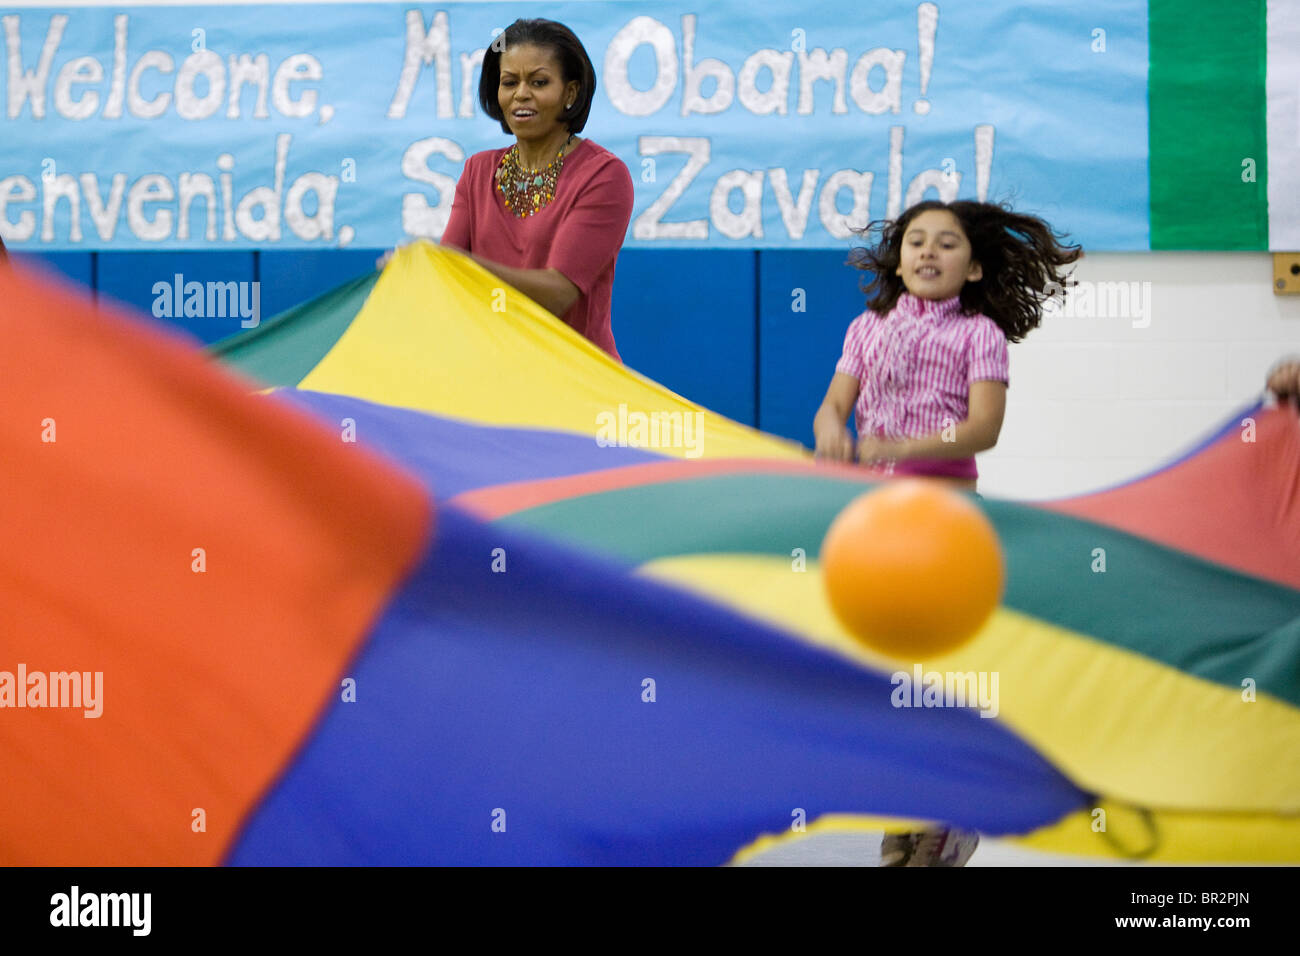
column 526, row 191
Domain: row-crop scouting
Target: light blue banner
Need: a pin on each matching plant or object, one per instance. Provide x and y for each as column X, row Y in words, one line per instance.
column 333, row 125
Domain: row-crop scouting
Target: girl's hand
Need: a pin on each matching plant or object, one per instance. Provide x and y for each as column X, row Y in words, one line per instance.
column 880, row 451
column 835, row 444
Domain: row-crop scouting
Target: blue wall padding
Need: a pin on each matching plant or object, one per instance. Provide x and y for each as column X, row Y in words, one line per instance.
column 798, row 350
column 291, row 277
column 685, row 318
column 77, row 266
column 130, row 277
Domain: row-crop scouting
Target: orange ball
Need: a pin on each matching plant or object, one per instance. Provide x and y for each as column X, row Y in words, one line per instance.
column 912, row 569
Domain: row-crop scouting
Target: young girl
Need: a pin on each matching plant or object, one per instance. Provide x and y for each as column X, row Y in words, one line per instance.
column 925, row 369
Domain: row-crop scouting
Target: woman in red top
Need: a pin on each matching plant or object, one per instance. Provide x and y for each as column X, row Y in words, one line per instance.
column 548, row 214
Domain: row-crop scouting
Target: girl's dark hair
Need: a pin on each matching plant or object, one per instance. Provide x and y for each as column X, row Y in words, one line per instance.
column 568, row 49
column 1020, row 256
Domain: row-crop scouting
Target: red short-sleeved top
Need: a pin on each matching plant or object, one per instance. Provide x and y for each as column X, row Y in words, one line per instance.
column 579, row 233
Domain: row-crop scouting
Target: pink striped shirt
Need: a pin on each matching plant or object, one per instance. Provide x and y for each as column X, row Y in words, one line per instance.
column 914, row 369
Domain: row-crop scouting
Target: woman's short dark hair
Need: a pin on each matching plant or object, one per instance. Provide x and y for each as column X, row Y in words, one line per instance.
column 567, row 48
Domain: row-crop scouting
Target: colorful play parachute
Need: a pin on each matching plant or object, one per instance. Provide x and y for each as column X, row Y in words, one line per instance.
column 461, row 589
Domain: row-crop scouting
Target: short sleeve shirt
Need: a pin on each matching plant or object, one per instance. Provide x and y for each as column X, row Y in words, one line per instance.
column 915, row 366
column 579, row 233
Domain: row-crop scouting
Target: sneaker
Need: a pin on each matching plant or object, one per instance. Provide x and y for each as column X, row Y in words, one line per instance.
column 942, row 846
column 897, row 848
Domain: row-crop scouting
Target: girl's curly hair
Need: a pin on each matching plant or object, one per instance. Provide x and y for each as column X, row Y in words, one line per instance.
column 1020, row 256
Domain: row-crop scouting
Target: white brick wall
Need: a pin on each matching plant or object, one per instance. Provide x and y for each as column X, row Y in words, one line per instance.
column 1096, row 401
